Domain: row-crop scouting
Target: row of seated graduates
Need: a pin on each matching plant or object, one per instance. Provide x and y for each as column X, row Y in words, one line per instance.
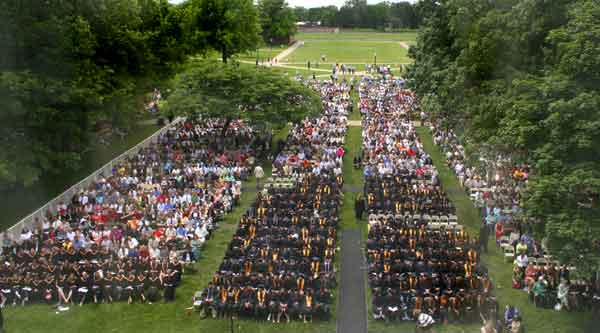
column 280, row 261
column 47, row 267
column 409, row 263
column 400, row 195
column 413, row 269
column 287, row 252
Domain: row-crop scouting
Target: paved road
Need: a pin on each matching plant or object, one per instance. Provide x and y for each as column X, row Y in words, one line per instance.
column 352, row 309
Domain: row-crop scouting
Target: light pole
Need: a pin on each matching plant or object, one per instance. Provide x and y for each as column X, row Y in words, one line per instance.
column 257, row 56
column 375, row 58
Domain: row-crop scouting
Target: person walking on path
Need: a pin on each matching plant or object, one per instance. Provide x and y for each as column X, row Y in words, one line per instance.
column 359, row 206
column 259, row 173
column 484, row 235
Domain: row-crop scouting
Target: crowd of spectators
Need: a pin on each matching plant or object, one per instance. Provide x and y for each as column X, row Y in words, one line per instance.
column 279, row 264
column 422, row 266
column 497, row 190
column 128, row 235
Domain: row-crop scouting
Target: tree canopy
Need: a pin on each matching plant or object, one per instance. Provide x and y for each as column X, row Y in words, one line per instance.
column 67, row 66
column 277, row 20
column 216, row 89
column 360, row 14
column 226, row 26
column 522, row 77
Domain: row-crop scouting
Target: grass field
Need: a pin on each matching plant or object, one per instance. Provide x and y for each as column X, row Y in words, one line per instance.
column 349, row 52
column 354, row 48
column 359, row 35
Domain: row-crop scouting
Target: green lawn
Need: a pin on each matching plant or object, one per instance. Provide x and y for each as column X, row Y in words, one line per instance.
column 359, row 35
column 173, row 317
column 349, row 51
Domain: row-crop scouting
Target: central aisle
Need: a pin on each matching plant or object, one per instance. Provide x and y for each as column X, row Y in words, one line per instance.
column 352, row 311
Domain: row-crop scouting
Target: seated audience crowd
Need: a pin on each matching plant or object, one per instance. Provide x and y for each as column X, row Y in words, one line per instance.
column 279, row 265
column 498, row 194
column 421, row 264
column 128, row 235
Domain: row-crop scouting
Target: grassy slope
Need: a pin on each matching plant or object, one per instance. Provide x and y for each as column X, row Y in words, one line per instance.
column 18, row 203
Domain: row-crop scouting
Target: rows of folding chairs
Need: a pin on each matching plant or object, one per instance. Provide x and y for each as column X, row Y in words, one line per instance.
column 281, row 182
column 432, row 221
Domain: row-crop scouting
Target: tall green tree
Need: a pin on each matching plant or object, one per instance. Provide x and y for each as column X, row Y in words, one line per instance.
column 277, row 20
column 361, row 14
column 66, row 66
column 226, row 26
column 521, row 78
column 217, row 89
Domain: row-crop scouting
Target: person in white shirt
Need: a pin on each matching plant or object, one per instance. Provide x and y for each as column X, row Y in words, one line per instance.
column 132, row 243
column 522, row 261
column 259, row 173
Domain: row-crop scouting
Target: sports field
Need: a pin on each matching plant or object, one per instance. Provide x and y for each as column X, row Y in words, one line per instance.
column 359, row 35
column 353, row 48
column 349, row 52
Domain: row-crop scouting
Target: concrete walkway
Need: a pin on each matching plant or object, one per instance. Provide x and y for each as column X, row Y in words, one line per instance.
column 285, row 53
column 352, row 307
column 404, row 45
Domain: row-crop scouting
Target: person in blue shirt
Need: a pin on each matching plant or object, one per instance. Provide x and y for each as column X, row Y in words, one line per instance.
column 368, row 171
column 77, row 243
column 181, row 232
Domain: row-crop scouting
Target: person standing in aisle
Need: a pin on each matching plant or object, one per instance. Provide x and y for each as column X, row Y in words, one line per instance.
column 259, row 174
column 359, row 206
column 484, row 235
